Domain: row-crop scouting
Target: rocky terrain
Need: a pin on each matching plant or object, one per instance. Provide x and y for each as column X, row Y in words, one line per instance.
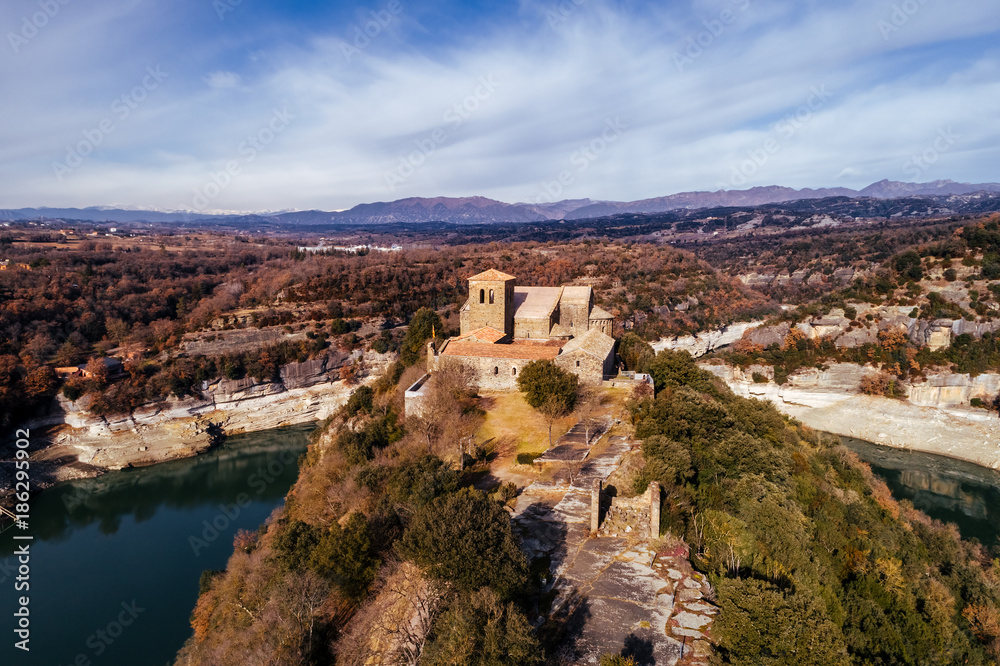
column 621, row 593
column 702, row 343
column 934, row 417
column 79, row 443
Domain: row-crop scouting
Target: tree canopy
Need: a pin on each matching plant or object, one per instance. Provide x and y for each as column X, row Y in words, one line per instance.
column 547, row 386
column 465, row 539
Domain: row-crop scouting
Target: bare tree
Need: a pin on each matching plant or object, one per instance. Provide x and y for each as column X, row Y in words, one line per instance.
column 590, row 408
column 449, row 414
column 394, row 626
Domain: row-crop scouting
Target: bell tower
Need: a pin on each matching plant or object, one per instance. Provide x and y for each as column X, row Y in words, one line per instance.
column 491, row 303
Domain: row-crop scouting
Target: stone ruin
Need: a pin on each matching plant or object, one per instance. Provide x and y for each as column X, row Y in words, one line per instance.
column 636, row 517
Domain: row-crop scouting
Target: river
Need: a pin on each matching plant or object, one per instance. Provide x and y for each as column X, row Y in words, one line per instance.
column 115, row 561
column 950, row 490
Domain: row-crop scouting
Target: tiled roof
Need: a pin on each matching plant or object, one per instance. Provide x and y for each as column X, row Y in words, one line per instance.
column 593, row 342
column 492, row 275
column 485, row 334
column 598, row 313
column 515, row 352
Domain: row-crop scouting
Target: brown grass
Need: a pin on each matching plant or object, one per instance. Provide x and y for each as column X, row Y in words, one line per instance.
column 510, row 419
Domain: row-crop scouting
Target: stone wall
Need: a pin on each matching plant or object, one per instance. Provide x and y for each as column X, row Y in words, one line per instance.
column 605, row 326
column 637, row 517
column 498, row 314
column 534, row 328
column 415, row 397
column 590, row 369
column 575, row 317
column 492, row 374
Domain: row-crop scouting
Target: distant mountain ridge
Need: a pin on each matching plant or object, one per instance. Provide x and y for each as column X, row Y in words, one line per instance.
column 481, row 210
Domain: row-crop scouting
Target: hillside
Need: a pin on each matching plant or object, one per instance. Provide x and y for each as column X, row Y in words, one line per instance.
column 810, row 559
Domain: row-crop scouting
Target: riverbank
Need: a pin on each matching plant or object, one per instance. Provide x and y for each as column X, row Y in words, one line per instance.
column 829, row 401
column 71, row 443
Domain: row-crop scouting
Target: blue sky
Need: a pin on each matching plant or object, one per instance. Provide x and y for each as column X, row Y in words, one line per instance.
column 266, row 105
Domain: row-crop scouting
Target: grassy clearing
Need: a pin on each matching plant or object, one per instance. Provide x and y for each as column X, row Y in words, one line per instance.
column 514, row 425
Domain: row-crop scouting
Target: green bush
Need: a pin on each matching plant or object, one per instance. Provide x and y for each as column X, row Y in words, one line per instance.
column 635, row 352
column 544, row 383
column 465, row 539
column 479, row 629
column 343, row 555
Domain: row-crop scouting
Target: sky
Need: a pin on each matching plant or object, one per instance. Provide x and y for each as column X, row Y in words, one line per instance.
column 264, row 105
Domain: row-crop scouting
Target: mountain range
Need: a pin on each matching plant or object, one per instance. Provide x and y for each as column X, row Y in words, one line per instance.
column 481, row 210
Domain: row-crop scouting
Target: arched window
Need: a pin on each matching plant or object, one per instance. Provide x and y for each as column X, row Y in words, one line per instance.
column 482, row 295
column 513, row 371
column 578, row 364
column 491, row 297
column 496, row 370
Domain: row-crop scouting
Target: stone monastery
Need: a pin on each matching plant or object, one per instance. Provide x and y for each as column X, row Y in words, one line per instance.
column 504, row 327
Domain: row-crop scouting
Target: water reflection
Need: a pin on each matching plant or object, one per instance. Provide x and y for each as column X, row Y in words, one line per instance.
column 949, row 490
column 261, row 467
column 140, row 536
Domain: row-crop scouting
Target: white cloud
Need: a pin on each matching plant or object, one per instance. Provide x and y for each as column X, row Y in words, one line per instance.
column 222, row 79
column 553, row 89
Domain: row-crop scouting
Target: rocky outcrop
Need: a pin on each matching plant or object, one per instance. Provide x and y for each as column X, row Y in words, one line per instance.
column 702, row 343
column 237, row 341
column 935, row 417
column 848, row 334
column 178, row 428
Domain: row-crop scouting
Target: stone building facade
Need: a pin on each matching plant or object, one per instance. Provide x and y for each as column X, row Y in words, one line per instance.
column 504, row 327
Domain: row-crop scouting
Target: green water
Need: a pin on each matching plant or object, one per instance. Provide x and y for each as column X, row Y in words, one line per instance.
column 122, row 554
column 949, row 490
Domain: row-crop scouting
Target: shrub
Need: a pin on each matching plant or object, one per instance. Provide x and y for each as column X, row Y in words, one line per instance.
column 881, row 384
column 465, row 538
column 527, row 458
column 481, row 630
column 544, row 382
column 635, row 352
column 759, row 378
column 343, row 555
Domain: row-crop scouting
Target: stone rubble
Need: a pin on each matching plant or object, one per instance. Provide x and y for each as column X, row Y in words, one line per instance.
column 611, row 594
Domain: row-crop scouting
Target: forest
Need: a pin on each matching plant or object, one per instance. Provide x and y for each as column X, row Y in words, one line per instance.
column 811, row 559
column 137, row 303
